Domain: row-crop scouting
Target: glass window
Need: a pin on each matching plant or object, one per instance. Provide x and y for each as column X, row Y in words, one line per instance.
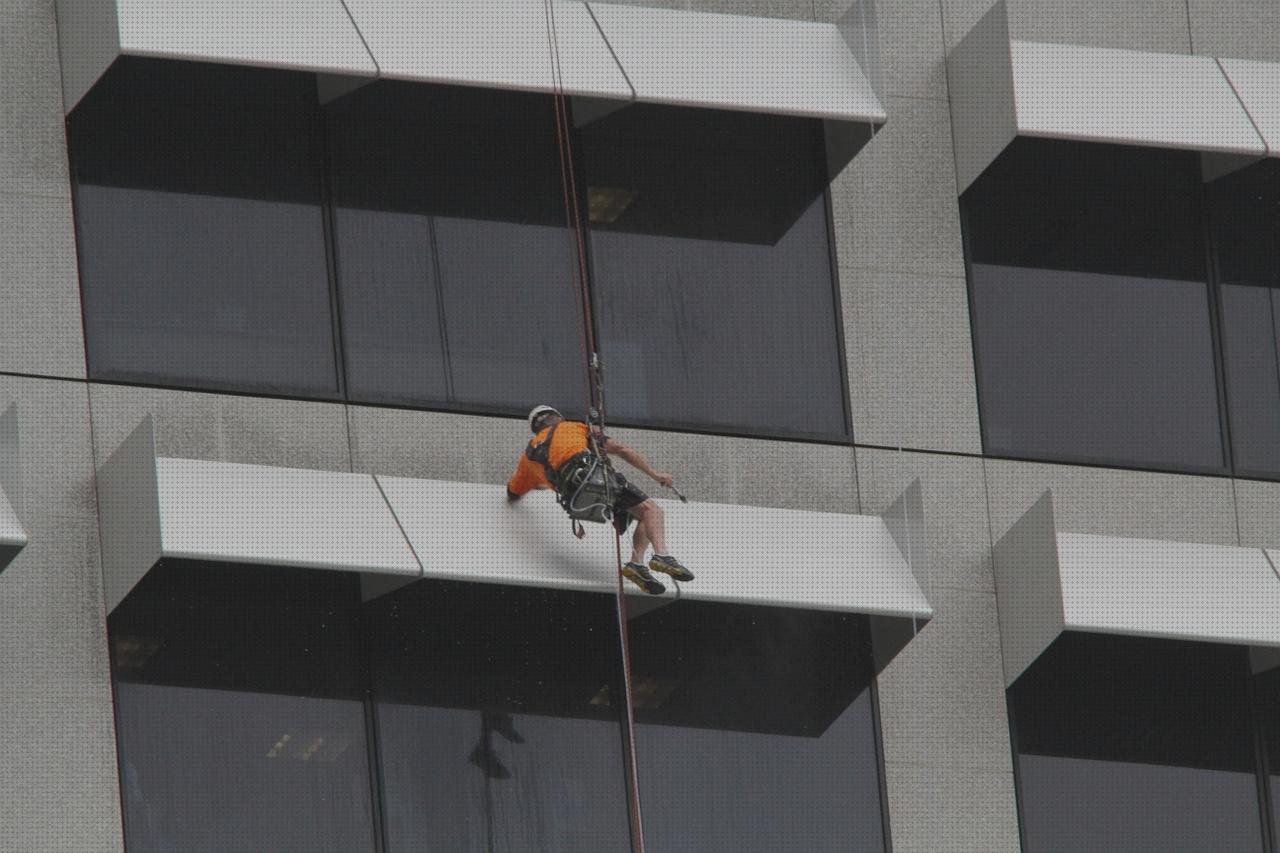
column 200, row 228
column 711, row 269
column 239, row 711
column 1090, row 307
column 1268, row 692
column 497, row 728
column 1244, row 214
column 755, row 729
column 456, row 271
column 1138, row 745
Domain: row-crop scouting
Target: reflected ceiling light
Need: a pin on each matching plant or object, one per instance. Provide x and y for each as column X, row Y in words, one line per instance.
column 134, row 652
column 646, row 693
column 606, row 204
column 305, row 747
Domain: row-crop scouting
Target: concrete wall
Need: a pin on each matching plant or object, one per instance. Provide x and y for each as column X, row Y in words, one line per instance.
column 902, row 283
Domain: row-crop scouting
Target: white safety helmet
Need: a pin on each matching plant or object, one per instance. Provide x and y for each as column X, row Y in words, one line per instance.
column 538, row 412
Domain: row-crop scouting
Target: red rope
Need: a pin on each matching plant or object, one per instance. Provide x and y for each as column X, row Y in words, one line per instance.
column 595, row 395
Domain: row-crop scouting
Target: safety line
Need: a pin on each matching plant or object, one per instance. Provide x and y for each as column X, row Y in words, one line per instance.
column 595, row 398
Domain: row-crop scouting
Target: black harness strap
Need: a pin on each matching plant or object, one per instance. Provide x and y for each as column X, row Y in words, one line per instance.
column 541, row 453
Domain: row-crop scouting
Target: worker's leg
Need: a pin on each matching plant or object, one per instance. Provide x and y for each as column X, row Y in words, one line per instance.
column 651, row 520
column 639, row 544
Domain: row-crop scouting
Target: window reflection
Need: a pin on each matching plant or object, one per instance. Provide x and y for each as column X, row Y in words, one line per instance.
column 1091, row 309
column 200, row 228
column 497, row 728
column 1137, row 745
column 711, row 270
column 455, row 266
column 1267, row 683
column 239, row 711
column 755, row 729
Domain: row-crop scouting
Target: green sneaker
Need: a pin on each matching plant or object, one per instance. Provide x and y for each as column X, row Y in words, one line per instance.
column 640, row 576
column 670, row 565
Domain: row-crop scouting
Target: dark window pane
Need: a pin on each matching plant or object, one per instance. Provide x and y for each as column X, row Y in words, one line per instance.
column 712, row 273
column 1136, row 745
column 755, row 729
column 1090, row 308
column 1268, row 692
column 496, row 725
column 455, row 268
column 239, row 711
column 1244, row 215
column 202, row 254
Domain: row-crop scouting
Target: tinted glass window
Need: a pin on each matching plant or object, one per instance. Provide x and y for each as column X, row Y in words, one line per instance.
column 455, row 268
column 1268, row 692
column 497, row 725
column 1244, row 216
column 712, row 271
column 1090, row 307
column 755, row 729
column 198, row 215
column 1136, row 745
column 240, row 712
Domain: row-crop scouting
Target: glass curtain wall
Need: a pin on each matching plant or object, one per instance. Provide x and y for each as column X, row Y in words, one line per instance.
column 1140, row 745
column 200, row 225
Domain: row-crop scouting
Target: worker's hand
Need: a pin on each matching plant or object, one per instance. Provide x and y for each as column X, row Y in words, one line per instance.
column 664, row 478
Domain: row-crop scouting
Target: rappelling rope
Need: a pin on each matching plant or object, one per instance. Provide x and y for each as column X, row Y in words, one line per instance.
column 595, row 391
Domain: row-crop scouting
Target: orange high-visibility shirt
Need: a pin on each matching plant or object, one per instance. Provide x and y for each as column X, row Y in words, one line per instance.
column 570, row 440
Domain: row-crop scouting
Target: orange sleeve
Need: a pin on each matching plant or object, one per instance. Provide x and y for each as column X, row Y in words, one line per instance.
column 528, row 476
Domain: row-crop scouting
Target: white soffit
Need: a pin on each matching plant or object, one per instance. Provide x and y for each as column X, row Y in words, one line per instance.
column 12, row 536
column 734, row 62
column 1048, row 582
column 305, row 35
column 156, row 507
column 502, row 44
column 1002, row 88
column 740, row 554
column 1258, row 85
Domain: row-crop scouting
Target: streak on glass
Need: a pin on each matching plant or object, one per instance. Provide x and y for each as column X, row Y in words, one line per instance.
column 455, row 267
column 711, row 270
column 1137, row 745
column 201, row 237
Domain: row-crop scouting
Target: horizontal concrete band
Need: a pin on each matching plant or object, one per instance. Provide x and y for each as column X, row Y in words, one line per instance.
column 597, row 50
column 13, row 538
column 1003, row 88
column 395, row 530
column 1048, row 582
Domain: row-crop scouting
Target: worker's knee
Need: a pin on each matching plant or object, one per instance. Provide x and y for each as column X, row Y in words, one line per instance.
column 646, row 510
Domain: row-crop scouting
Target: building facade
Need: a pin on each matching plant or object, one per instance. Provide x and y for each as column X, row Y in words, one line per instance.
column 1020, row 285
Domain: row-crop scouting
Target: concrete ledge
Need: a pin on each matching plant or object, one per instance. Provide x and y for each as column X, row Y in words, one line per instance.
column 13, row 538
column 1048, row 582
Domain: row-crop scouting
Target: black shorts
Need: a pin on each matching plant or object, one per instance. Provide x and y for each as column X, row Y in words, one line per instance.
column 625, row 498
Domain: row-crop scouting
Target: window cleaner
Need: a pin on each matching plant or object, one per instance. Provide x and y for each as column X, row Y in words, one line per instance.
column 572, row 459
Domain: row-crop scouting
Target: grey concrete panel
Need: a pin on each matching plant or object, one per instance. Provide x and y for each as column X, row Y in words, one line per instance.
column 910, row 45
column 33, row 151
column 129, row 514
column 57, row 756
column 1029, row 588
column 1258, row 505
column 1258, row 86
column 910, row 360
column 957, row 541
column 1249, row 29
column 495, row 43
column 53, row 420
column 983, row 106
column 41, row 332
column 859, row 28
column 951, row 809
column 798, row 10
column 895, row 206
column 852, row 563
column 88, row 42
column 477, row 449
column 705, row 60
column 1109, row 502
column 223, row 428
column 942, row 699
column 1150, row 25
column 12, row 537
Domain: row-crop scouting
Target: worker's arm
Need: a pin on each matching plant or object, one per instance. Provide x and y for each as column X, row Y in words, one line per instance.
column 526, row 478
column 635, row 459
